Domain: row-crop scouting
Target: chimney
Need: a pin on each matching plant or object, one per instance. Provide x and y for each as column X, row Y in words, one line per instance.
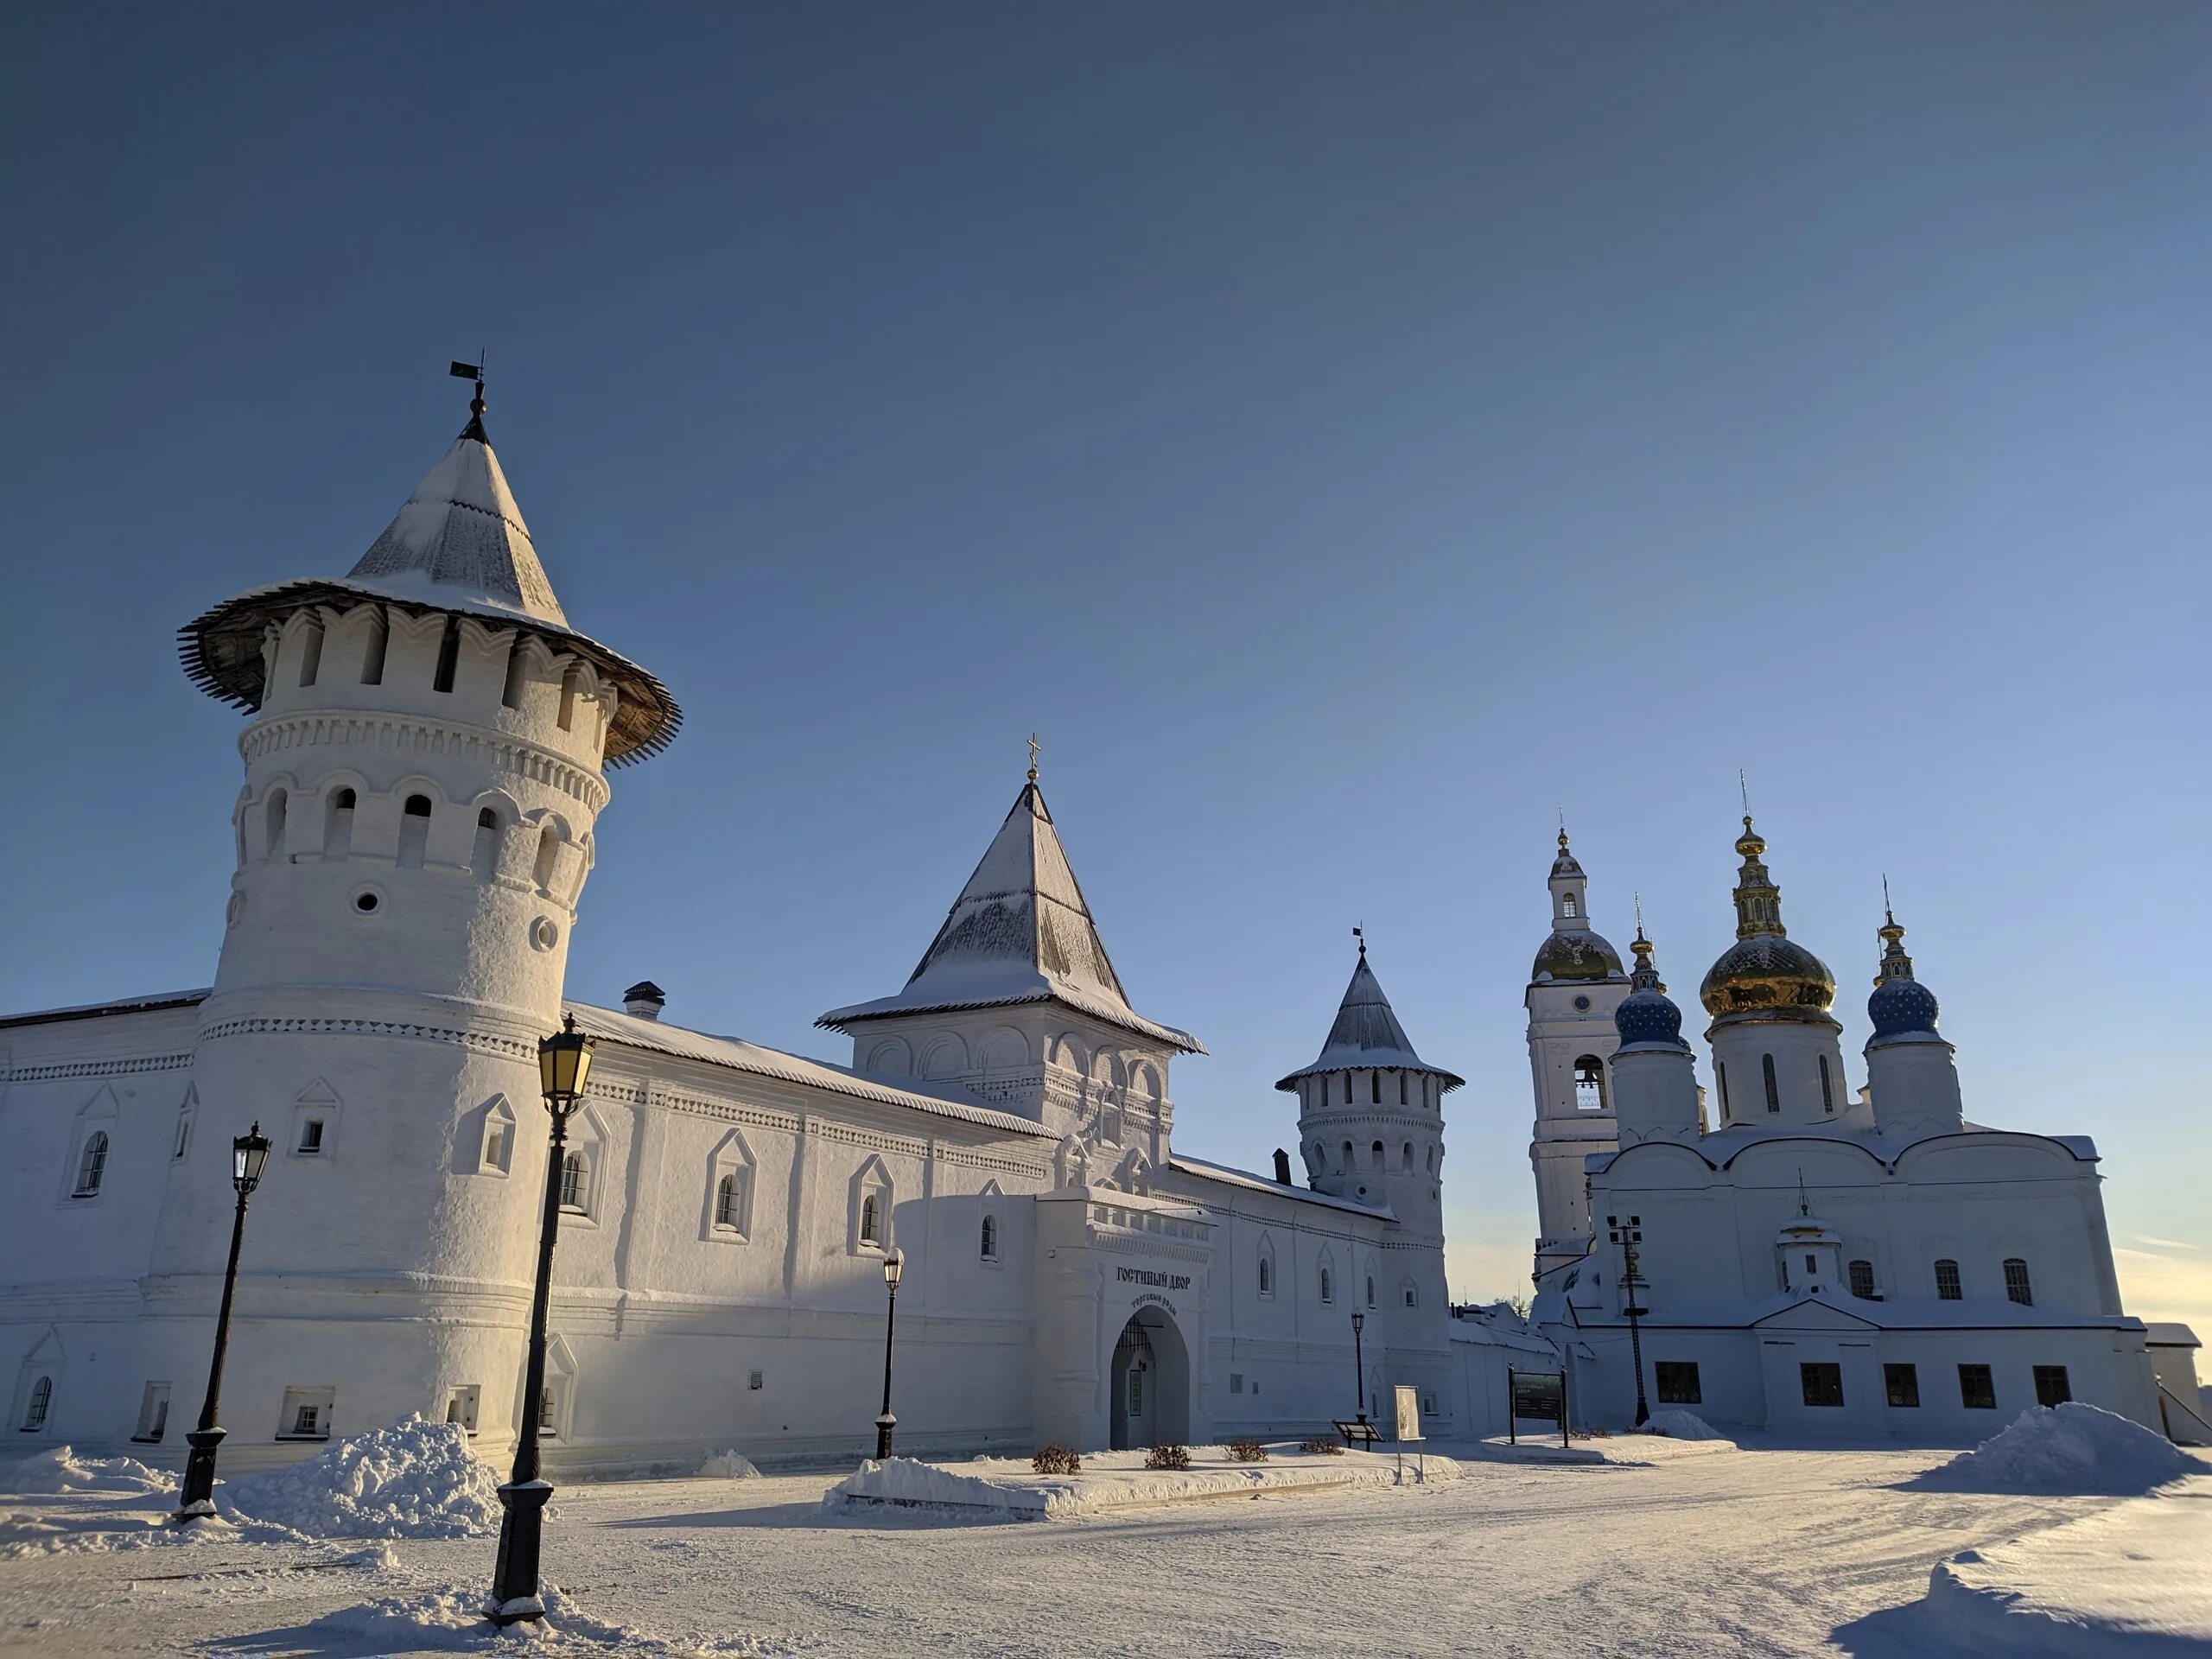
column 644, row 999
column 1283, row 1166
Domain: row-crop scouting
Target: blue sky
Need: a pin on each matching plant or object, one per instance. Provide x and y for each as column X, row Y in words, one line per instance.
column 1350, row 434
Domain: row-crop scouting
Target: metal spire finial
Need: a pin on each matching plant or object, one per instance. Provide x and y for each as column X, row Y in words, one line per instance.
column 1888, row 914
column 1033, row 747
column 1743, row 788
column 476, row 404
column 1360, row 934
column 1803, row 1208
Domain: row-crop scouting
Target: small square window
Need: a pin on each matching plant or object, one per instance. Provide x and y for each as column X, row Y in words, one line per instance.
column 307, row 1413
column 1902, row 1385
column 1822, row 1382
column 310, row 1137
column 1678, row 1383
column 2051, row 1388
column 1977, row 1388
column 461, row 1403
column 1236, row 1382
column 755, row 1380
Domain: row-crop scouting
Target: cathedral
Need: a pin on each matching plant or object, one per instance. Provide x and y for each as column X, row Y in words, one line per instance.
column 427, row 750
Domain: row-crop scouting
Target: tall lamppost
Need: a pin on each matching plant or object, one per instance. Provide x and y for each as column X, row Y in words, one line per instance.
column 1628, row 1235
column 249, row 1153
column 894, row 1264
column 563, row 1064
column 1359, row 1360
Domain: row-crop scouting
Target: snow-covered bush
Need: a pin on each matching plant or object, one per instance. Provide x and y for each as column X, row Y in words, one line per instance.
column 1057, row 1459
column 1248, row 1451
column 1322, row 1446
column 1169, row 1454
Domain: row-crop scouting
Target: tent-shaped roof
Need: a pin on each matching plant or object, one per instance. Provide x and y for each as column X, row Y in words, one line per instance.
column 1367, row 1033
column 1018, row 933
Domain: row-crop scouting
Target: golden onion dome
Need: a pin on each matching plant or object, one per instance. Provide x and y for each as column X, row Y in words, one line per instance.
column 1771, row 975
column 1576, row 956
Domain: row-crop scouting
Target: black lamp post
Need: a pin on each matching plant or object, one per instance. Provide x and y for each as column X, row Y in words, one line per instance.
column 1359, row 1360
column 894, row 1264
column 249, row 1153
column 1628, row 1235
column 563, row 1064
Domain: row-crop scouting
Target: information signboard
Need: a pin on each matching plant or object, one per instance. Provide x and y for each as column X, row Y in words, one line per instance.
column 1408, row 1413
column 1536, row 1397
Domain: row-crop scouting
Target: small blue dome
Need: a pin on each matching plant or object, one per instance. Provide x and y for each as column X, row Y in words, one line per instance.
column 1647, row 1016
column 1901, row 1005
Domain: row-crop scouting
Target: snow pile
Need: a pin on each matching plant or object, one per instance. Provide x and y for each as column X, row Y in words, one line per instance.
column 416, row 1479
column 59, row 1470
column 2129, row 1580
column 1679, row 1425
column 727, row 1465
column 2071, row 1448
column 904, row 1480
column 450, row 1619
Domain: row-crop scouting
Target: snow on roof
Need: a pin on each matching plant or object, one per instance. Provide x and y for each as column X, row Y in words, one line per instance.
column 1722, row 1146
column 121, row 1005
column 1477, row 1331
column 1366, row 1034
column 1018, row 933
column 736, row 1054
column 1205, row 1171
column 2169, row 1333
column 460, row 538
column 1981, row 1313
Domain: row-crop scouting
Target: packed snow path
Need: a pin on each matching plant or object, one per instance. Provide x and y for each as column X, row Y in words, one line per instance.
column 1760, row 1553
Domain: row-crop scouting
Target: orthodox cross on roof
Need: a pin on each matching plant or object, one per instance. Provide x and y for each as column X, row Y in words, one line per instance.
column 1803, row 1208
column 1033, row 747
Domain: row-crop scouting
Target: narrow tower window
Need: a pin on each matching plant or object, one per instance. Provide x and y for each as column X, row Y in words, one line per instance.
column 1828, row 1089
column 485, row 859
column 1374, row 1088
column 990, row 1244
column 548, row 858
column 1406, row 1161
column 567, row 696
column 517, row 665
column 277, row 801
column 414, row 831
column 1720, row 1077
column 1568, row 908
column 1773, row 1095
column 338, row 825
column 1590, row 1083
column 449, row 656
column 1375, row 1157
column 311, row 653
column 372, row 655
column 1401, row 1087
column 1347, row 1088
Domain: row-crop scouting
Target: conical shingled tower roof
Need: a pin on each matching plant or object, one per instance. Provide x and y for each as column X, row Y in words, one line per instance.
column 1366, row 1034
column 461, row 539
column 1020, row 931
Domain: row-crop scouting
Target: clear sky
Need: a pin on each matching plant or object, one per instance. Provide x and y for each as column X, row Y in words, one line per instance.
column 1350, row 434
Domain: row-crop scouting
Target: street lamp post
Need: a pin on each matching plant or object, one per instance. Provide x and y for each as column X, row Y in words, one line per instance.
column 894, row 1264
column 563, row 1064
column 1359, row 1361
column 249, row 1153
column 1628, row 1235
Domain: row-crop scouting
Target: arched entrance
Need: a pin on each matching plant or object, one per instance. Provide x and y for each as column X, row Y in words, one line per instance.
column 1150, row 1383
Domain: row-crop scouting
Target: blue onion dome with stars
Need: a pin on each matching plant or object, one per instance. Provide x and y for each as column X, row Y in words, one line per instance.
column 1646, row 1014
column 1901, row 1006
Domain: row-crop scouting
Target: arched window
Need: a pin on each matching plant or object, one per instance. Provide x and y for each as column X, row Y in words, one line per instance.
column 1328, row 1288
column 1406, row 1159
column 1773, row 1095
column 575, row 1183
column 92, row 1165
column 1861, row 1274
column 1375, row 1157
column 414, row 831
column 1374, row 1088
column 1266, row 1277
column 548, row 859
column 990, row 1250
column 1590, row 1083
column 1430, row 1157
column 1947, row 1288
column 274, row 822
column 338, row 825
column 567, row 696
column 484, row 857
column 871, row 1220
column 35, row 1408
column 2015, row 1282
column 729, row 1203
column 1350, row 1164
column 1370, row 1290
column 1828, row 1089
column 518, row 676
column 449, row 656
column 1568, row 908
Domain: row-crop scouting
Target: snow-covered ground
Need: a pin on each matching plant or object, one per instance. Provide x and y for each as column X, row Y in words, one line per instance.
column 1758, row 1552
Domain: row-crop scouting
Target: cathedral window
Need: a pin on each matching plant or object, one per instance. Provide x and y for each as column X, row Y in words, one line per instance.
column 2051, row 1388
column 1828, row 1087
column 449, row 656
column 1822, row 1381
column 1977, row 1388
column 1328, row 1289
column 575, row 1183
column 1773, row 1095
column 2017, row 1288
column 1901, row 1385
column 92, row 1165
column 1861, row 1275
column 729, row 1206
column 1370, row 1290
column 1266, row 1277
column 990, row 1249
column 1947, row 1288
column 36, row 1405
column 1589, row 1083
column 1678, row 1383
column 871, row 1219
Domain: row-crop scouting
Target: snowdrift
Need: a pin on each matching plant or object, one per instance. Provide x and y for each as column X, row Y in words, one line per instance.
column 416, row 1479
column 2065, row 1449
column 727, row 1465
column 1679, row 1425
column 59, row 1470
